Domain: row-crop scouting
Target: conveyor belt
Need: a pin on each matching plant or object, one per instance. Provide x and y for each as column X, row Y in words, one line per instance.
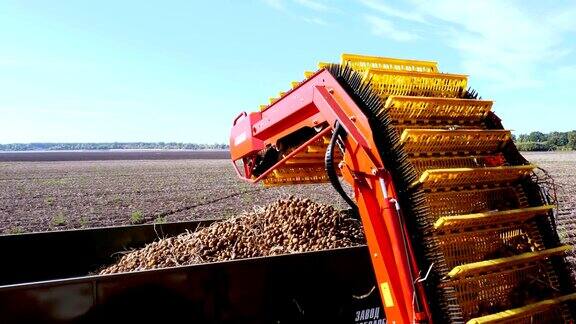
column 478, row 219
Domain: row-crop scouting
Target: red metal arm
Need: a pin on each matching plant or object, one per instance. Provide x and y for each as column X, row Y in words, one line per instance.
column 322, row 101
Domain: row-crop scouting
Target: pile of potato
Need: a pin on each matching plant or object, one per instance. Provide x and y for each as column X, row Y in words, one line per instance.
column 286, row 226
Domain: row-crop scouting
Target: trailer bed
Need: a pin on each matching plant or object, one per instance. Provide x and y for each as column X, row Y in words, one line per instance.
column 46, row 278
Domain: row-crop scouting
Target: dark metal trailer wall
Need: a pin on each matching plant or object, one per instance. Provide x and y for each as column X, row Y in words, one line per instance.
column 44, row 278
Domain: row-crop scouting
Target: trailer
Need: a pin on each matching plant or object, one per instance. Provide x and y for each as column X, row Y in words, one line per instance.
column 49, row 278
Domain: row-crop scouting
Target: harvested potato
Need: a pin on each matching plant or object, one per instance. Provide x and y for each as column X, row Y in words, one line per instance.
column 286, row 226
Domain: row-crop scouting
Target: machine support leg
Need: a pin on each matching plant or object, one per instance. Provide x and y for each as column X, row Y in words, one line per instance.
column 385, row 241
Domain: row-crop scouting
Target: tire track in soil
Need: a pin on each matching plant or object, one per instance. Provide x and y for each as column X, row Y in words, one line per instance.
column 186, row 208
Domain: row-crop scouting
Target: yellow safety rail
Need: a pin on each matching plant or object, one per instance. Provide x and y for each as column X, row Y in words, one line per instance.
column 525, row 314
column 500, row 264
column 362, row 63
column 433, row 141
column 435, row 124
column 423, row 163
column 418, row 109
column 472, row 177
column 490, row 217
column 394, row 83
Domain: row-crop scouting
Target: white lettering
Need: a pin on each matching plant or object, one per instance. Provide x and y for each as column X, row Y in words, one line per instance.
column 369, row 316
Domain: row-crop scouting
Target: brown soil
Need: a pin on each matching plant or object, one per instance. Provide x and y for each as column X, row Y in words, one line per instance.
column 43, row 196
column 562, row 167
column 105, row 155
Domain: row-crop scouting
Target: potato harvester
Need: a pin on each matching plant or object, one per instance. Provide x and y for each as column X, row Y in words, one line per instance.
column 458, row 227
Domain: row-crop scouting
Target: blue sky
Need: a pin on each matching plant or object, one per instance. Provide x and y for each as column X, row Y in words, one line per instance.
column 99, row 71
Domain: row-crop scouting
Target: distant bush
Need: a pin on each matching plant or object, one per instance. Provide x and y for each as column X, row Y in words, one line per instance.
column 538, row 141
column 558, row 139
column 535, row 146
column 572, row 140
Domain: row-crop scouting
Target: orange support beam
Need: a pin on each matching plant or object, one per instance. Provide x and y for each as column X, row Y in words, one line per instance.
column 319, row 102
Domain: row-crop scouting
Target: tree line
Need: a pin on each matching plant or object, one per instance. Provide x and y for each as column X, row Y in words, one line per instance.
column 538, row 141
column 111, row 146
column 534, row 141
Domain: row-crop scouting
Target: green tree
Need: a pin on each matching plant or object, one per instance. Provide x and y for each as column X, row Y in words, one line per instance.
column 535, row 146
column 522, row 138
column 537, row 137
column 572, row 140
column 558, row 138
